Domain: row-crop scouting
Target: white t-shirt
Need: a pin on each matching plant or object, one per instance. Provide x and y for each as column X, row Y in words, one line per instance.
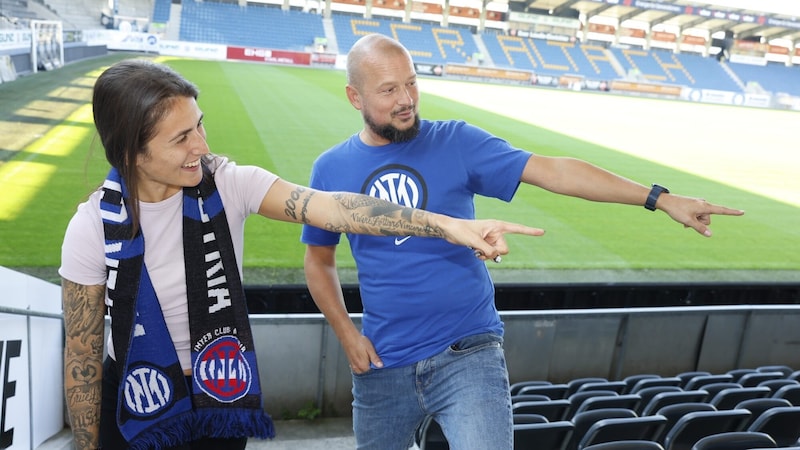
column 242, row 188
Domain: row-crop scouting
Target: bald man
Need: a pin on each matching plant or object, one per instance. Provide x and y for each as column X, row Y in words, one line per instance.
column 431, row 338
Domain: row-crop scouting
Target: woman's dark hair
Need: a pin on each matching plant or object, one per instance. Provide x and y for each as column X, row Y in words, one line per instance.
column 129, row 100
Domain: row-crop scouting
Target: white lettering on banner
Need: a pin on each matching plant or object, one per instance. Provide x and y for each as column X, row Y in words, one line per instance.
column 15, row 39
column 192, row 49
column 258, row 52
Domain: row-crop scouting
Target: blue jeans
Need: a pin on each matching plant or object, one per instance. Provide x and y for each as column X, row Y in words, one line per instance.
column 464, row 388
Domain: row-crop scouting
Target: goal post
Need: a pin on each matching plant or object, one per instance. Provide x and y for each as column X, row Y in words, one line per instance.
column 47, row 44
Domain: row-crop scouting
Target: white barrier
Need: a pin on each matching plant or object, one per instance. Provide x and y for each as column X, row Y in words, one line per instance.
column 31, row 345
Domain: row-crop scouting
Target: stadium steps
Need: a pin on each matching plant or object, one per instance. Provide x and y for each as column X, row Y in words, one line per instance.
column 330, row 35
column 78, row 14
column 487, row 56
column 727, row 69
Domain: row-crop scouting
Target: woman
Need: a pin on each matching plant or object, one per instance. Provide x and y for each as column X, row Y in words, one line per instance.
column 159, row 246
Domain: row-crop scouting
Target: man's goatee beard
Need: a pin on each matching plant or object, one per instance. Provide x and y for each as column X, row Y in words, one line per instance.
column 391, row 133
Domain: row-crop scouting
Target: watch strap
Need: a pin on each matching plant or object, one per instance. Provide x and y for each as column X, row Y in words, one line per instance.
column 656, row 191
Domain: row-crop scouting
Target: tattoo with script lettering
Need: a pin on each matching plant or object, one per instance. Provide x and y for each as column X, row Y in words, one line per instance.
column 84, row 323
column 372, row 215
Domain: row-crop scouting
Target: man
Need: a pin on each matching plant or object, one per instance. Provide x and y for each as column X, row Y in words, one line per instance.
column 432, row 338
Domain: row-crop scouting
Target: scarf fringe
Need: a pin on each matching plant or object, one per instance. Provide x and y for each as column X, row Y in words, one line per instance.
column 234, row 423
column 171, row 432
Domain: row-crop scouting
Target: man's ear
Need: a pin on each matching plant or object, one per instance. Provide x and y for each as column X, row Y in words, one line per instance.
column 353, row 96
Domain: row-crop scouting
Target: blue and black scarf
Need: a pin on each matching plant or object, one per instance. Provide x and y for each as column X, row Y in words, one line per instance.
column 156, row 406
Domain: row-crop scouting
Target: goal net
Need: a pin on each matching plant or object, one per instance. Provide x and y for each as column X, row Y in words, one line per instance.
column 47, row 44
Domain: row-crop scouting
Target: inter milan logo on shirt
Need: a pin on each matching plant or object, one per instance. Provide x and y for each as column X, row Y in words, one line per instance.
column 222, row 370
column 148, row 391
column 398, row 184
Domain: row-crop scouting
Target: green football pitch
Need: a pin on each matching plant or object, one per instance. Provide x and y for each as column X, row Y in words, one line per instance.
column 282, row 117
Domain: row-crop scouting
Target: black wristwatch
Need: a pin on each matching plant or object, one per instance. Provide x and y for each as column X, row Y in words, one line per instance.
column 653, row 196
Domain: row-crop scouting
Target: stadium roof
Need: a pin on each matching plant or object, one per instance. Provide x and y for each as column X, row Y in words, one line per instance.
column 769, row 19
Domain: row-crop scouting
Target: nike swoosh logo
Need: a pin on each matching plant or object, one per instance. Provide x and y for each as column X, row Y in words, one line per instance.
column 399, row 241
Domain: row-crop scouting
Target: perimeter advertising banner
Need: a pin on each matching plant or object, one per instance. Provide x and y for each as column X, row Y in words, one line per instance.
column 269, row 56
column 31, row 373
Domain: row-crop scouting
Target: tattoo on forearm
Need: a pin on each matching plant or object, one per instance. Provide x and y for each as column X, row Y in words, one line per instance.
column 375, row 216
column 291, row 203
column 84, row 323
column 83, row 439
column 304, row 210
column 82, row 310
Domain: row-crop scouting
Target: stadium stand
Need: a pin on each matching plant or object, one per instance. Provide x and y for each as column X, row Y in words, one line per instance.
column 427, row 43
column 707, row 73
column 773, row 77
column 161, row 11
column 258, row 26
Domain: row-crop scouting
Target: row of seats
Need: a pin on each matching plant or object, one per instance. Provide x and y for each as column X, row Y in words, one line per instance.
column 429, row 43
column 752, row 408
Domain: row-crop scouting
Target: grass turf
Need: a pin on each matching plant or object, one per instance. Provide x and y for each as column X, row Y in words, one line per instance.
column 282, row 117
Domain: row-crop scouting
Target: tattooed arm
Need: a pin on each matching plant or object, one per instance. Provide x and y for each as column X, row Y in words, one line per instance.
column 345, row 212
column 84, row 321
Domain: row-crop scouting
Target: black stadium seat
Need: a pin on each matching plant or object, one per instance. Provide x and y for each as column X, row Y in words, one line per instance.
column 735, row 440
column 628, row 428
column 782, row 423
column 542, row 436
column 584, row 420
column 696, row 425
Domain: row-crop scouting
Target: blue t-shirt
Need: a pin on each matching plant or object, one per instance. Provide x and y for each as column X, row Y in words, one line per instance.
column 420, row 294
